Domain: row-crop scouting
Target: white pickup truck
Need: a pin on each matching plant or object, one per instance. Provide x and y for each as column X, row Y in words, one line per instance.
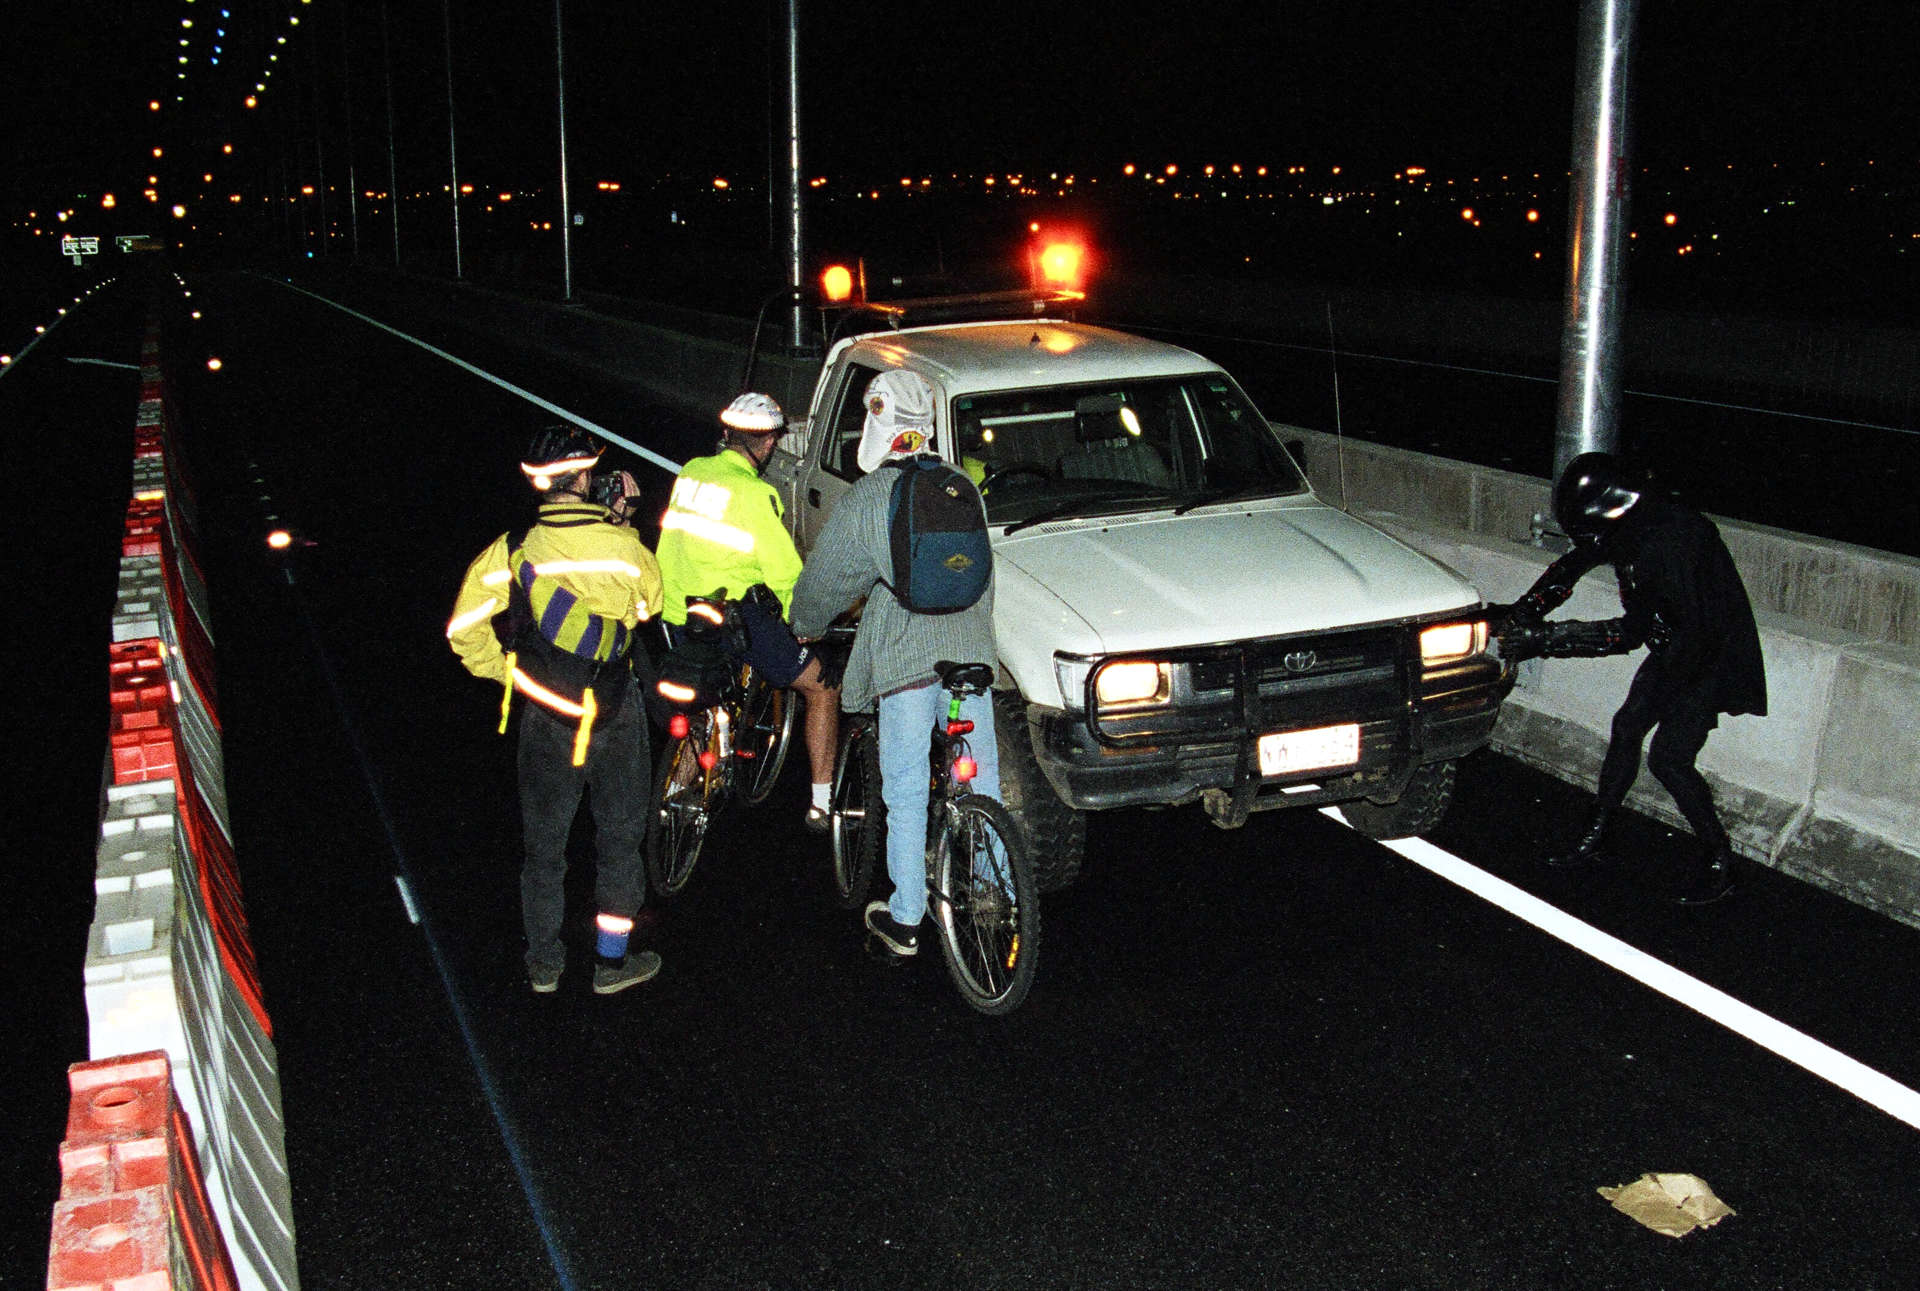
column 1178, row 616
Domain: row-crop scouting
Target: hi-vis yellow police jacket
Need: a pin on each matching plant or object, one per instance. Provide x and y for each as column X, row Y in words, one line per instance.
column 724, row 529
column 589, row 583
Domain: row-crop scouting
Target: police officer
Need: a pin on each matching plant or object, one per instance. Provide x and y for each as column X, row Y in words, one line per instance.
column 724, row 531
column 1683, row 599
column 549, row 613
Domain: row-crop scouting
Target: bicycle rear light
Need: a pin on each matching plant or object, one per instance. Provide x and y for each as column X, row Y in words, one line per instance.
column 677, row 726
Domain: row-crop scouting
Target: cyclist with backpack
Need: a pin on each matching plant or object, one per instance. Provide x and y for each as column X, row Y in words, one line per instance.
column 723, row 533
column 910, row 537
column 549, row 612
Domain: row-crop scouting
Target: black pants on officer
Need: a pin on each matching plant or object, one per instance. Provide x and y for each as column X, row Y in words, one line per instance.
column 615, row 782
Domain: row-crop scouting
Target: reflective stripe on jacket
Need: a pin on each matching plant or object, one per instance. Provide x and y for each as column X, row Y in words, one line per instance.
column 724, row 529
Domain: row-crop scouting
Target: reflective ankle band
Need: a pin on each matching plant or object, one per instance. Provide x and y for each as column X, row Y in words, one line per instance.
column 611, row 942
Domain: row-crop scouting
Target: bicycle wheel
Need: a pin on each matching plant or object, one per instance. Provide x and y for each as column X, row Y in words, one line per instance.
column 683, row 801
column 981, row 893
column 761, row 738
column 859, row 818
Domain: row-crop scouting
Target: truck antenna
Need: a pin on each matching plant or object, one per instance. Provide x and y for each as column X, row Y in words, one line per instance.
column 1339, row 433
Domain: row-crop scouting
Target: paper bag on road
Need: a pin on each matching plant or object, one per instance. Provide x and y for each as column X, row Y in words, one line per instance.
column 1674, row 1204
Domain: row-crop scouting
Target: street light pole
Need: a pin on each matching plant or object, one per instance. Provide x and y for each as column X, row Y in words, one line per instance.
column 796, row 261
column 566, row 213
column 453, row 155
column 1588, row 415
column 393, row 175
column 353, row 182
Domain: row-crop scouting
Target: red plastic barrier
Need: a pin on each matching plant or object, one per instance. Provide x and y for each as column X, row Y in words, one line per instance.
column 141, row 736
column 140, row 532
column 133, row 1213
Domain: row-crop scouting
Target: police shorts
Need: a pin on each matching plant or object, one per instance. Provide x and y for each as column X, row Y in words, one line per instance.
column 772, row 648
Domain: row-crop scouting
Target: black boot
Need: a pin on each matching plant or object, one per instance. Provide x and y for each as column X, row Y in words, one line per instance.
column 1712, row 879
column 1584, row 850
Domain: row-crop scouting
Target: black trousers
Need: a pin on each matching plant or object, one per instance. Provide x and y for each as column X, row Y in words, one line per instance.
column 1679, row 733
column 615, row 781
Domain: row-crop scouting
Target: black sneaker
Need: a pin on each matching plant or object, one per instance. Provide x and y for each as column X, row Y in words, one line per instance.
column 544, row 980
column 631, row 971
column 890, row 932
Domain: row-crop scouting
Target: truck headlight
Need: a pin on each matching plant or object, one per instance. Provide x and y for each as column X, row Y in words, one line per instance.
column 1124, row 683
column 1449, row 642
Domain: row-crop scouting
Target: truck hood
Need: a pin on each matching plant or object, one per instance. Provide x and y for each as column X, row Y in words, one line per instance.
column 1265, row 569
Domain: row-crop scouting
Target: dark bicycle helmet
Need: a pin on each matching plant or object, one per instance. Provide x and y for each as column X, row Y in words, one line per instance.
column 1594, row 492
column 558, row 451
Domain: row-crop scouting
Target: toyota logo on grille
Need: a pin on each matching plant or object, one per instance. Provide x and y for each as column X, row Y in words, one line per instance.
column 1300, row 660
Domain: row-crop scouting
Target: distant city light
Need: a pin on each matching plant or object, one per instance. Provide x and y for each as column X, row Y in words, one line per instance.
column 1466, row 213
column 153, row 105
column 1127, row 169
column 213, row 364
column 107, row 202
column 1533, row 217
column 179, row 212
column 1670, row 219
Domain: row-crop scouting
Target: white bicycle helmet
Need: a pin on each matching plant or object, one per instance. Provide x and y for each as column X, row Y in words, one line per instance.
column 756, row 414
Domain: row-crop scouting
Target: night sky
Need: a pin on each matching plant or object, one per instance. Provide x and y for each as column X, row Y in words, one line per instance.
column 925, row 87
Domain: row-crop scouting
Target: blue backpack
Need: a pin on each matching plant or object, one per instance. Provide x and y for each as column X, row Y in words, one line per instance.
column 937, row 526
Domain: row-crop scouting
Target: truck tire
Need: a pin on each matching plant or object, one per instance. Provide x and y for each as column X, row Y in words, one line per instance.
column 1056, row 833
column 1418, row 809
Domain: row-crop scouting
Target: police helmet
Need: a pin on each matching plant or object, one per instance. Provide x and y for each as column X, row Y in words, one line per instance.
column 1594, row 492
column 558, row 451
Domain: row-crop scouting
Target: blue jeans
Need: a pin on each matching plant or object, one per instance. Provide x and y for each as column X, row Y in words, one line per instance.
column 907, row 719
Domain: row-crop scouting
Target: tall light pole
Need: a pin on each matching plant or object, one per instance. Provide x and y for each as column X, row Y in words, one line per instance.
column 795, row 261
column 353, row 182
column 453, row 155
column 393, row 175
column 1589, row 411
column 566, row 210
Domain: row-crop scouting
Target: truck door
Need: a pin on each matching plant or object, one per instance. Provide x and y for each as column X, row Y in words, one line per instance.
column 832, row 443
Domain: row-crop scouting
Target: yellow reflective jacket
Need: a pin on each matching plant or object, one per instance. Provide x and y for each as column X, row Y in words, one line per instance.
column 589, row 582
column 724, row 529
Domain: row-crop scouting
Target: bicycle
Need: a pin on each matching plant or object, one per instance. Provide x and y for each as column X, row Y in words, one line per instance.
column 981, row 892
column 727, row 737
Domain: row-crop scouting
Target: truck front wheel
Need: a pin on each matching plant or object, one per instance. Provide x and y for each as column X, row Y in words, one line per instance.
column 1056, row 833
column 1418, row 808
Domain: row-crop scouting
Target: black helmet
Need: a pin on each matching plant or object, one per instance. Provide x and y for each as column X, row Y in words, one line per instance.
column 558, row 451
column 1593, row 492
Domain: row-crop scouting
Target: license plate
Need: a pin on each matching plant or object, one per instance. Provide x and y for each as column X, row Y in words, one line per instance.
column 1285, row 752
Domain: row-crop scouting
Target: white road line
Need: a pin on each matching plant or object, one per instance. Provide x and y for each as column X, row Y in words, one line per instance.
column 1858, row 1079
column 669, row 466
column 105, row 363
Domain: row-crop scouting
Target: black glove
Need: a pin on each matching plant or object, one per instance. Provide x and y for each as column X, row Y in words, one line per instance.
column 1519, row 637
column 1585, row 640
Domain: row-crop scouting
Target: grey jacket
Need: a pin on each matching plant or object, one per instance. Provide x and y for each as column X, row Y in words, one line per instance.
column 895, row 648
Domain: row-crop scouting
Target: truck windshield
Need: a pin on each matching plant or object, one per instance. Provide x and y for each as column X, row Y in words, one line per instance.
column 1061, row 451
